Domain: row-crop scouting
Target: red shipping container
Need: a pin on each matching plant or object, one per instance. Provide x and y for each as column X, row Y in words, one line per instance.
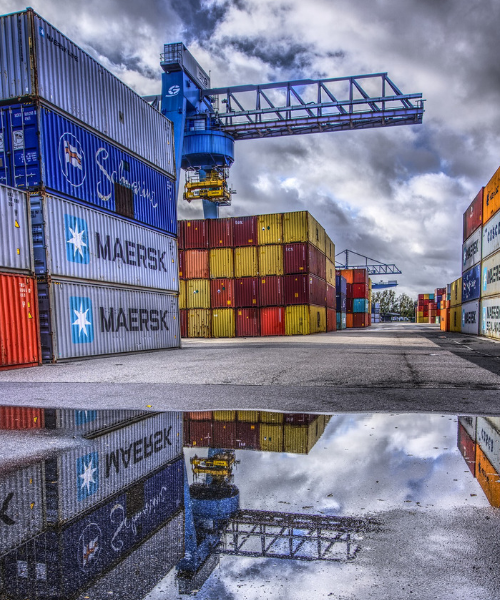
column 220, row 233
column 331, row 319
column 360, row 290
column 303, row 258
column 17, row 417
column 305, row 289
column 331, row 297
column 196, row 234
column 272, row 321
column 369, row 317
column 426, row 301
column 420, row 297
column 467, row 447
column 348, row 290
column 180, row 235
column 184, row 322
column 271, row 291
column 19, row 330
column 360, row 276
column 247, row 322
column 196, row 264
column 245, row 231
column 201, row 415
column 222, row 293
column 181, row 264
column 473, row 216
column 349, row 305
column 359, row 320
column 201, row 434
column 246, row 292
column 247, row 436
column 224, row 434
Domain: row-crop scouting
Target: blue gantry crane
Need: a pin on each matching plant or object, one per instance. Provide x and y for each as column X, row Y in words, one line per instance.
column 208, row 121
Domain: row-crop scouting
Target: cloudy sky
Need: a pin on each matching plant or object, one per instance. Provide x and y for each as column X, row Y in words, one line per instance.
column 396, row 194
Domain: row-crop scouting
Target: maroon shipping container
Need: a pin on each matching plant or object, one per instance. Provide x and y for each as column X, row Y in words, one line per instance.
column 359, row 320
column 17, row 417
column 183, row 316
column 244, row 231
column 196, row 264
column 247, row 436
column 467, row 447
column 180, row 235
column 360, row 290
column 224, row 434
column 331, row 319
column 360, row 276
column 200, row 434
column 19, row 329
column 271, row 291
column 181, row 264
column 348, row 290
column 305, row 289
column 246, row 292
column 272, row 320
column 220, row 233
column 196, row 234
column 349, row 305
column 247, row 322
column 369, row 317
column 303, row 258
column 331, row 296
column 473, row 216
column 222, row 293
column 200, row 415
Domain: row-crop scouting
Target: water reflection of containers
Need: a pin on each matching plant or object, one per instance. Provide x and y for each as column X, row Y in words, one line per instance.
column 21, row 502
column 87, row 422
column 20, row 417
column 488, row 478
column 470, row 317
column 488, row 438
column 59, row 562
column 201, row 433
column 224, row 434
column 469, row 424
column 271, row 437
column 247, row 436
column 300, row 439
column 82, row 477
column 467, row 447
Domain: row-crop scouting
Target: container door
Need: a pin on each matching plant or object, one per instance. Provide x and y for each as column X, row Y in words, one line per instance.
column 5, row 175
column 23, row 124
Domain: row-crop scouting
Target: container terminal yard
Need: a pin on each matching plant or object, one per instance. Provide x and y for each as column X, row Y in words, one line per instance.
column 213, row 406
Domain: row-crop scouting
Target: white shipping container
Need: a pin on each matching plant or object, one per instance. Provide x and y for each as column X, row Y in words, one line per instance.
column 488, row 438
column 471, row 317
column 38, row 61
column 490, row 317
column 490, row 275
column 469, row 424
column 15, row 239
column 75, row 241
column 81, row 478
column 471, row 250
column 491, row 236
column 21, row 506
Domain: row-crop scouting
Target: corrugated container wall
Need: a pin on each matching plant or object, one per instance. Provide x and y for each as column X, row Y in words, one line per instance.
column 246, row 292
column 221, row 233
column 15, row 236
column 38, row 61
column 302, row 227
column 221, row 263
column 491, row 236
column 272, row 320
column 270, row 230
column 222, row 293
column 271, row 292
column 19, row 417
column 467, row 447
column 470, row 317
column 195, row 234
column 246, row 262
column 473, row 216
column 471, row 284
column 182, row 295
column 488, row 478
column 305, row 319
column 456, row 292
column 471, row 250
column 198, row 293
column 223, row 322
column 248, row 322
column 80, row 319
column 490, row 283
column 196, row 264
column 89, row 422
column 491, row 197
column 270, row 260
column 245, row 231
column 200, row 323
column 490, row 317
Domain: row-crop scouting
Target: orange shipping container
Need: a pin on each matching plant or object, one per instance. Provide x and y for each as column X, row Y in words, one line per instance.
column 491, row 197
column 348, row 274
column 196, row 264
column 488, row 478
column 349, row 318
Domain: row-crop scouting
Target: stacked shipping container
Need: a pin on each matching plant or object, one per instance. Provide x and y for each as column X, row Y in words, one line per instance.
column 358, row 297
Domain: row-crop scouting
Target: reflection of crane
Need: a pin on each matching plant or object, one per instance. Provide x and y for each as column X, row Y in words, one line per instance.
column 373, row 266
column 207, row 121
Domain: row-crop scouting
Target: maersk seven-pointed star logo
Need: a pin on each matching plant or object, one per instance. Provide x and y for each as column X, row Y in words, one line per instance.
column 87, row 468
column 82, row 321
column 77, row 240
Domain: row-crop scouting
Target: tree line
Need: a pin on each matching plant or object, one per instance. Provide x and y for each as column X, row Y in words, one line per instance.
column 403, row 304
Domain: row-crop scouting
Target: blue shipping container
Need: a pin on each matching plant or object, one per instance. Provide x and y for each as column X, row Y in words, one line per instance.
column 360, row 305
column 341, row 302
column 49, row 150
column 57, row 563
column 341, row 320
column 341, row 284
column 471, row 284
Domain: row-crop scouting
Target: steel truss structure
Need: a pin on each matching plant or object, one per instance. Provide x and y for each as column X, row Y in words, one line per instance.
column 374, row 267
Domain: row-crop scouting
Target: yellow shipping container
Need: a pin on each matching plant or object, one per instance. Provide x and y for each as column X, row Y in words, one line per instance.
column 426, row 296
column 271, row 437
column 199, row 323
column 491, row 197
column 182, row 294
column 221, row 263
column 456, row 318
column 223, row 323
column 300, row 439
column 248, row 416
column 329, row 248
column 270, row 260
column 304, row 319
column 224, row 415
column 270, row 229
column 271, row 417
column 302, row 227
column 330, row 272
column 456, row 293
column 198, row 293
column 488, row 478
column 246, row 263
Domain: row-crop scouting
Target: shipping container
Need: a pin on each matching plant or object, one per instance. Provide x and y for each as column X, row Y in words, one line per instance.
column 305, row 319
column 22, row 502
column 272, row 321
column 196, row 234
column 471, row 250
column 19, row 417
column 221, row 263
column 471, row 284
column 201, row 434
column 330, row 271
column 303, row 258
column 247, row 436
column 271, row 292
column 199, row 323
column 75, row 241
column 39, row 62
column 300, row 439
column 469, row 423
column 348, row 275
column 51, row 151
column 223, row 323
column 271, row 437
column 180, row 234
column 331, row 319
column 341, row 303
column 304, row 289
column 246, row 292
column 19, row 330
column 329, row 248
column 222, row 293
column 473, row 216
column 196, row 264
column 90, row 422
column 491, row 197
column 302, row 227
column 340, row 284
column 470, row 317
column 245, row 231
column 246, row 262
column 360, row 276
column 359, row 290
column 181, row 264
column 491, row 236
column 81, row 319
column 490, row 275
column 198, row 293
column 182, row 295
column 271, row 417
column 331, row 297
column 488, row 438
column 467, row 447
column 16, row 253
column 360, row 305
column 220, row 233
column 456, row 293
column 248, row 416
column 341, row 320
column 224, row 415
column 199, row 415
column 490, row 317
column 247, row 322
column 270, row 231
column 183, row 316
column 360, row 320
column 270, row 260
column 224, row 434
column 455, row 318
column 488, row 478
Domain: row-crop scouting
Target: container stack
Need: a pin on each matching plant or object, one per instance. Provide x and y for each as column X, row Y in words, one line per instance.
column 375, row 312
column 426, row 308
column 100, row 177
column 341, row 300
column 256, row 276
column 439, row 296
column 456, row 304
column 358, row 287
